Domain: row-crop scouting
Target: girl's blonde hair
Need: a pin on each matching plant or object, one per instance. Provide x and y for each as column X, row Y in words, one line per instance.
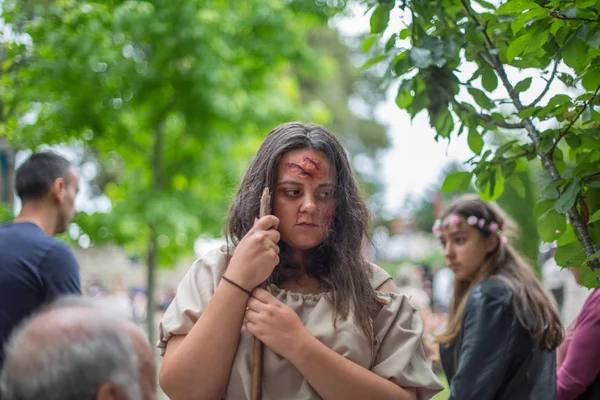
column 532, row 305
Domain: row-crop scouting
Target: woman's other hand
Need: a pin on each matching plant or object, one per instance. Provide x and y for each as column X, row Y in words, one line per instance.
column 275, row 324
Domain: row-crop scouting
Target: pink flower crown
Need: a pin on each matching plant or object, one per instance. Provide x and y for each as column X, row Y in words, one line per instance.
column 481, row 223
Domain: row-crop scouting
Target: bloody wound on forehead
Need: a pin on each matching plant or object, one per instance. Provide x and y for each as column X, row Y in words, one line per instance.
column 308, row 168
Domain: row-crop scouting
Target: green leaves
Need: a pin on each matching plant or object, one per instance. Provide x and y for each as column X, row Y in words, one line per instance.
column 368, row 43
column 457, row 181
column 372, row 61
column 380, row 18
column 585, row 3
column 517, row 184
column 116, row 78
column 491, row 184
column 420, row 58
column 517, row 6
column 527, row 17
column 481, row 99
column 517, row 46
column 542, row 206
column 588, row 277
column 528, row 35
column 591, row 80
column 551, row 225
column 595, row 217
column 568, row 197
column 405, row 97
column 523, row 85
column 489, row 80
column 574, row 54
column 569, row 255
column 475, row 141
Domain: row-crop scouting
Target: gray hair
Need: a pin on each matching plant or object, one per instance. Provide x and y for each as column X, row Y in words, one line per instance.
column 72, row 362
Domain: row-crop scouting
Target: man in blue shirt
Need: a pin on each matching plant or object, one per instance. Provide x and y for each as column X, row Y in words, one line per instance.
column 35, row 268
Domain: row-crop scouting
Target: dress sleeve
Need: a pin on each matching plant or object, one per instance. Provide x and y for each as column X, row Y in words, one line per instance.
column 378, row 276
column 399, row 355
column 582, row 363
column 193, row 294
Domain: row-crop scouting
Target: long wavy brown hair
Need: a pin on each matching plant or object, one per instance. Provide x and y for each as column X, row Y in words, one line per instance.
column 532, row 305
column 337, row 263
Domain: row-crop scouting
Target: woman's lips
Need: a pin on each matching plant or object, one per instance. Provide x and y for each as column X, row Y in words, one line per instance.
column 307, row 225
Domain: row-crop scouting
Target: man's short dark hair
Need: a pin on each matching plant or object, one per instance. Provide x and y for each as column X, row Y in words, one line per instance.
column 36, row 175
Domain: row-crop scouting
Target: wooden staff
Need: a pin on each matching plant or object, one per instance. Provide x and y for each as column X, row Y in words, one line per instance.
column 257, row 367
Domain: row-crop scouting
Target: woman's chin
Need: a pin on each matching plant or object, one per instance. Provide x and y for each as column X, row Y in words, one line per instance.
column 303, row 245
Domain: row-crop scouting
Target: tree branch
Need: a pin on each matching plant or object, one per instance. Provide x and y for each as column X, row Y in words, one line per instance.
column 557, row 14
column 541, row 96
column 515, row 157
column 566, row 131
column 477, row 22
column 575, row 218
column 487, row 118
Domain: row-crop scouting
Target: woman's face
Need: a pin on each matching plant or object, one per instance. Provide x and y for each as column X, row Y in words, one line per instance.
column 465, row 248
column 304, row 200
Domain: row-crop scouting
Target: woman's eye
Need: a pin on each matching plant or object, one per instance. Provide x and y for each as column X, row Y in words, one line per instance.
column 292, row 192
column 460, row 240
column 324, row 195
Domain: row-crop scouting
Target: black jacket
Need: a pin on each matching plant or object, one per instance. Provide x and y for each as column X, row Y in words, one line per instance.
column 494, row 357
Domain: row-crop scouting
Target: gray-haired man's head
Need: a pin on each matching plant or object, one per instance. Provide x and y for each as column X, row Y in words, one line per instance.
column 78, row 349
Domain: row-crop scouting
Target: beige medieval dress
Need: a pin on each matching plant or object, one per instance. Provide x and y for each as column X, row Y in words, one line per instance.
column 397, row 353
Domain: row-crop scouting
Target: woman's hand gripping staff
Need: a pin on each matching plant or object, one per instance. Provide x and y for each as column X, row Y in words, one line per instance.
column 214, row 338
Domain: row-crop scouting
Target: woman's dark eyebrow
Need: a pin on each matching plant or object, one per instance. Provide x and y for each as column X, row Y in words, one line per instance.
column 290, row 183
column 301, row 184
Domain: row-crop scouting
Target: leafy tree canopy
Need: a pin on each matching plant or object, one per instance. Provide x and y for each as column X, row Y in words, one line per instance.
column 558, row 40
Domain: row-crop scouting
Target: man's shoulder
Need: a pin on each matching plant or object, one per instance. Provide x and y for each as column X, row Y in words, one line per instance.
column 28, row 230
column 27, row 238
column 60, row 252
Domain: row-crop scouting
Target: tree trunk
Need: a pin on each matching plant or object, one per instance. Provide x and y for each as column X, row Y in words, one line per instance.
column 150, row 285
column 152, row 262
column 7, row 166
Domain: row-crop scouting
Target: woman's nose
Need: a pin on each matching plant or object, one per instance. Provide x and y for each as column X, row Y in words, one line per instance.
column 447, row 250
column 308, row 205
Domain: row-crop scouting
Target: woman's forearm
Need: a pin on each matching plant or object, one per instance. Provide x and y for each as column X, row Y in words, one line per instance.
column 198, row 366
column 335, row 377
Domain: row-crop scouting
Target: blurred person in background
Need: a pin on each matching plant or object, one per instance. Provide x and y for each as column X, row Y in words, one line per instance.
column 442, row 290
column 78, row 348
column 578, row 359
column 426, row 278
column 555, row 278
column 503, row 328
column 35, row 268
column 408, row 280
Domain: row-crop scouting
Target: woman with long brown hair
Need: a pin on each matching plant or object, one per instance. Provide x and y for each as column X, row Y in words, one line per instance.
column 502, row 327
column 332, row 325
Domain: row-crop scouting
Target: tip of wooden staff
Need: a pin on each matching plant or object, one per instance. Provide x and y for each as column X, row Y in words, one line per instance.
column 266, row 192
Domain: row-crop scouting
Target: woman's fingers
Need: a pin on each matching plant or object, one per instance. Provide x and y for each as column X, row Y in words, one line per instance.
column 266, row 223
column 255, row 305
column 252, row 315
column 263, row 296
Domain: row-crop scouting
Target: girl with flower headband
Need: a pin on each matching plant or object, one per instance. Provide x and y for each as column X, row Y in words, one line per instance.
column 502, row 327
